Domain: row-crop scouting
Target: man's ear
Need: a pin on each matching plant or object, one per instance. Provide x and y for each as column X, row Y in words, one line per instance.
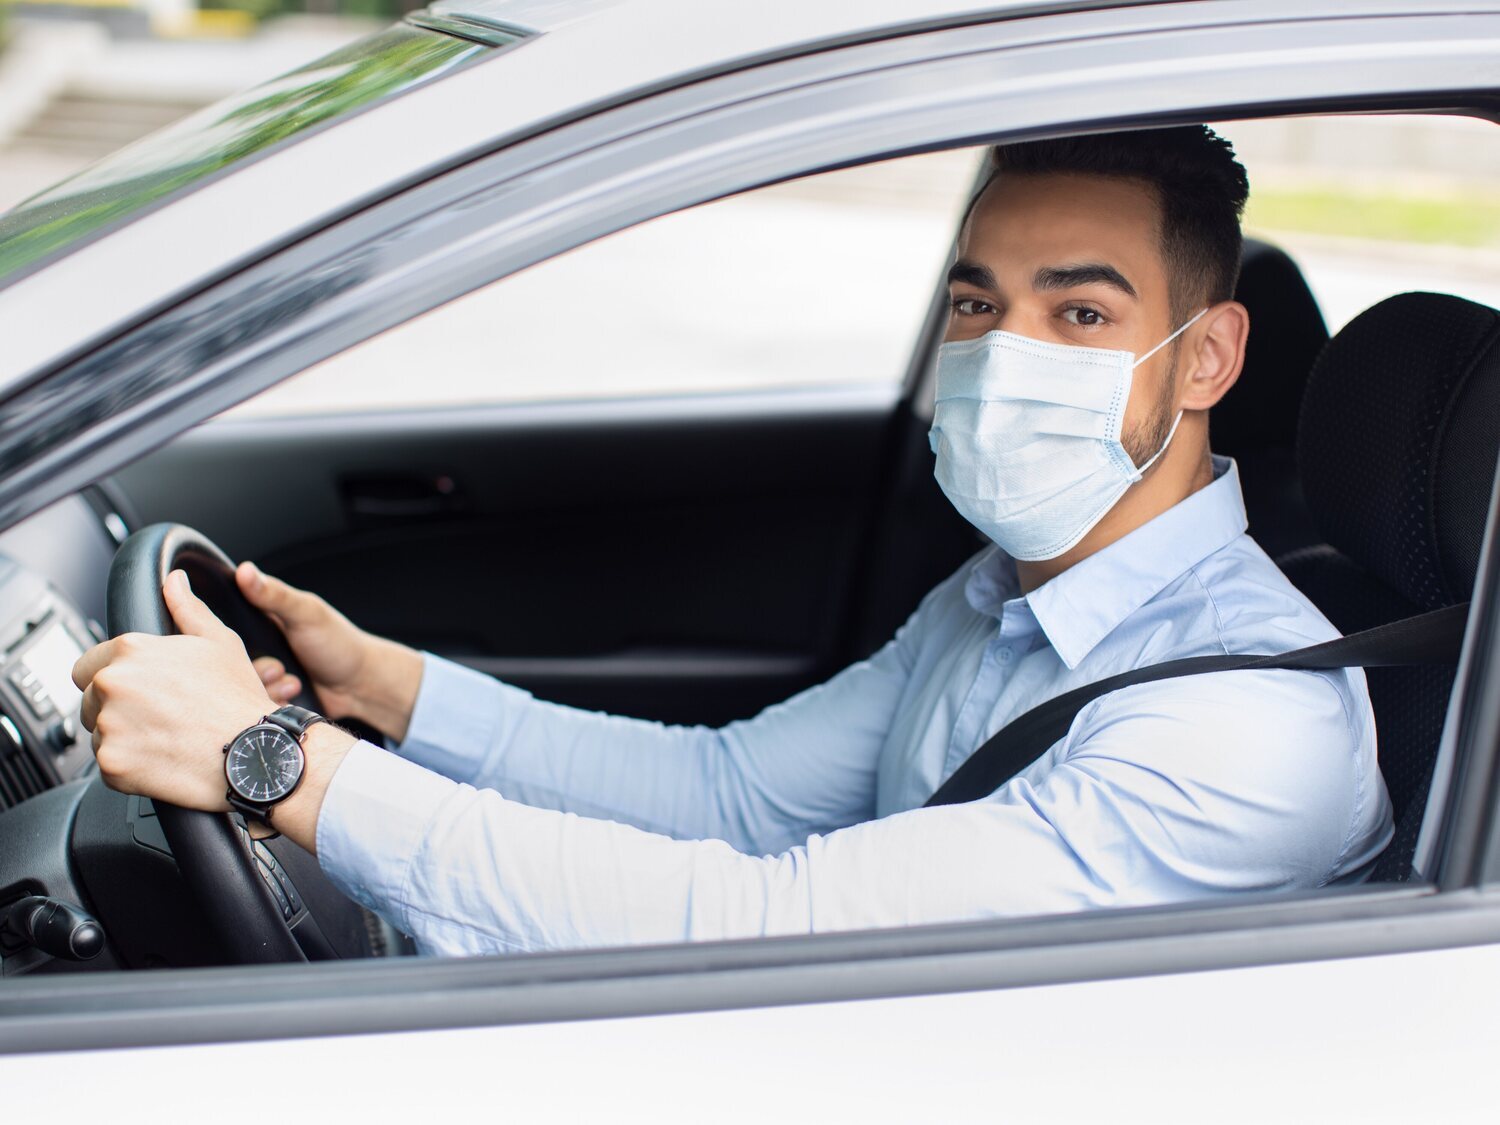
column 1221, row 336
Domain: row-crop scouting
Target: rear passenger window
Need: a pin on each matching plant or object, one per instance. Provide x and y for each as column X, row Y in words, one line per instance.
column 819, row 282
column 1371, row 206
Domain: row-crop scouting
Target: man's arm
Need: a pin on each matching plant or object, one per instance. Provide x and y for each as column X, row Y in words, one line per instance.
column 1243, row 782
column 762, row 784
column 803, row 766
column 1162, row 792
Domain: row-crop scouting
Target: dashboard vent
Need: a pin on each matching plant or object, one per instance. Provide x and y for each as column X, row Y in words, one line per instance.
column 20, row 776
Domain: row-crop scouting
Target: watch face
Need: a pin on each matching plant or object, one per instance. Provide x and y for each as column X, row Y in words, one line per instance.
column 263, row 764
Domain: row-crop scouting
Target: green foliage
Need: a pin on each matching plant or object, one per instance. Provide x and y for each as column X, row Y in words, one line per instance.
column 1459, row 219
column 385, row 9
column 260, row 9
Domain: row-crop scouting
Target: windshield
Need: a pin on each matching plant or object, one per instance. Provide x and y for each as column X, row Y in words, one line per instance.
column 185, row 154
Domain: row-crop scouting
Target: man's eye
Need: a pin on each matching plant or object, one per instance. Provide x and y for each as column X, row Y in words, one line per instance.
column 971, row 306
column 1083, row 317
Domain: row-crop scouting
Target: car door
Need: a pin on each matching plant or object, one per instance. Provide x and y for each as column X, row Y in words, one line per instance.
column 643, row 477
column 1064, row 998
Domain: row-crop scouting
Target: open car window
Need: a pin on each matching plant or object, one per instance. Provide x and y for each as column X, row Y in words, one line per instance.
column 827, row 281
column 822, row 282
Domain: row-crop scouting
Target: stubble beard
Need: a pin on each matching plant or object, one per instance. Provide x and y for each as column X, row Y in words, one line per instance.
column 1148, row 438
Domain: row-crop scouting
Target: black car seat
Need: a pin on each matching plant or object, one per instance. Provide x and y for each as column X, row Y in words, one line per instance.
column 1397, row 442
column 1256, row 422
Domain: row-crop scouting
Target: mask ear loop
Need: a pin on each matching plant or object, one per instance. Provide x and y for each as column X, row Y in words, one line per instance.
column 1141, row 469
column 1196, row 317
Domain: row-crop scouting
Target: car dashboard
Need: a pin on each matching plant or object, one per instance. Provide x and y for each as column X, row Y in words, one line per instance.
column 54, row 571
column 73, row 846
column 54, row 568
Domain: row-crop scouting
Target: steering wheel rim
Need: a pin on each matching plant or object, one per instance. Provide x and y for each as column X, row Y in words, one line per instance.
column 211, row 849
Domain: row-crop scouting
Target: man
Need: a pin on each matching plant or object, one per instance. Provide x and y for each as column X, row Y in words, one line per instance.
column 1092, row 329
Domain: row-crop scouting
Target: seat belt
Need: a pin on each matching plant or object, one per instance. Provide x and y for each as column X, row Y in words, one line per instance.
column 1431, row 638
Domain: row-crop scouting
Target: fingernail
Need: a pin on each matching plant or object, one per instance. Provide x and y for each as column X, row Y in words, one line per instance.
column 254, row 573
column 187, row 587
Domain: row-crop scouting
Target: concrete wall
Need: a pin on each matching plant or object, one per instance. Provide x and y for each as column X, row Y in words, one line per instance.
column 1422, row 152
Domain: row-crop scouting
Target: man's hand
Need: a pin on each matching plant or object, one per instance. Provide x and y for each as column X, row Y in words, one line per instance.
column 354, row 674
column 162, row 708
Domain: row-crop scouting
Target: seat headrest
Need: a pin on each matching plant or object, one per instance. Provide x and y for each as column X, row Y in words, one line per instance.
column 1398, row 438
column 1286, row 334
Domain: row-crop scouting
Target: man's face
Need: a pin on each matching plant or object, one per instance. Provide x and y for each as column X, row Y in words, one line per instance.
column 1073, row 259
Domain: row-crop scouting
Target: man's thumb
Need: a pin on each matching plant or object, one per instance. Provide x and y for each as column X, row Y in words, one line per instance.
column 191, row 615
column 265, row 593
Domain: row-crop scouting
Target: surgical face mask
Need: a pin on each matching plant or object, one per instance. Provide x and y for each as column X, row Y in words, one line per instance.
column 1027, row 437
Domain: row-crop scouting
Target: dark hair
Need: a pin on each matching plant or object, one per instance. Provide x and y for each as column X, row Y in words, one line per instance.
column 1200, row 187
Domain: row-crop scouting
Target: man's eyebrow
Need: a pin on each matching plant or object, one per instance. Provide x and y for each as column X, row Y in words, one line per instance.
column 1087, row 273
column 966, row 271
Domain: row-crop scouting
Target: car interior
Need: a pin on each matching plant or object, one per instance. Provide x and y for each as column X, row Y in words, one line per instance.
column 696, row 565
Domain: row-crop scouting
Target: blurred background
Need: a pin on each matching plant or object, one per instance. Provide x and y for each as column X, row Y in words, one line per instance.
column 1368, row 206
column 80, row 79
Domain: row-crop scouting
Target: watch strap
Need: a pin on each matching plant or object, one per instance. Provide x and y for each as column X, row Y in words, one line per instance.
column 249, row 808
column 294, row 720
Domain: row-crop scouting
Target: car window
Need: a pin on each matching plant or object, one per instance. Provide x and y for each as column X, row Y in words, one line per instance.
column 819, row 282
column 826, row 280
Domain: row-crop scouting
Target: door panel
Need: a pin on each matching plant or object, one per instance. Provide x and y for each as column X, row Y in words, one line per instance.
column 689, row 566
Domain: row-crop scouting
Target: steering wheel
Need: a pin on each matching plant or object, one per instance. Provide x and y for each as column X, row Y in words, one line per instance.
column 241, row 884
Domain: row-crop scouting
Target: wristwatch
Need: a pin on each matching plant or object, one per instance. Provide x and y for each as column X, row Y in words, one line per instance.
column 264, row 762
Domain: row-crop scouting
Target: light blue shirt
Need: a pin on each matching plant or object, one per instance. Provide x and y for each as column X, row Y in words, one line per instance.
column 506, row 823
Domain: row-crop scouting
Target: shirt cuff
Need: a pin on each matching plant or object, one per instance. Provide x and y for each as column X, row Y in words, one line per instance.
column 375, row 816
column 455, row 724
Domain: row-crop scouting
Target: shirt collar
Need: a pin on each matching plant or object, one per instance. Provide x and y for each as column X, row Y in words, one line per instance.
column 1086, row 602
